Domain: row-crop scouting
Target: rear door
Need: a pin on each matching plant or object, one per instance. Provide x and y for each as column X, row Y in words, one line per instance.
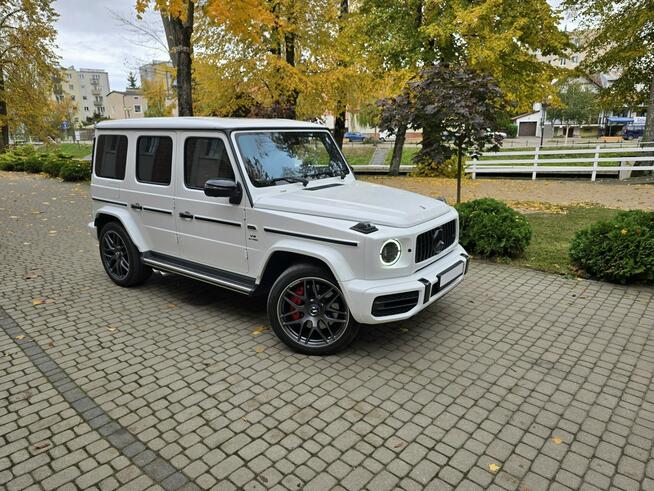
column 149, row 189
column 211, row 230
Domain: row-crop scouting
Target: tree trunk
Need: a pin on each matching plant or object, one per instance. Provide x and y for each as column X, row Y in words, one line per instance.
column 567, row 129
column 178, row 35
column 4, row 140
column 396, row 159
column 291, row 103
column 339, row 129
column 459, row 169
column 648, row 135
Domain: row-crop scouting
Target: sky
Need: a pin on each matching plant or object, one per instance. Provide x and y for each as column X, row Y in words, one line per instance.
column 89, row 36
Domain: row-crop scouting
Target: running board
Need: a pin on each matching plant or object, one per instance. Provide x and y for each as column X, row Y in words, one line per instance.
column 231, row 281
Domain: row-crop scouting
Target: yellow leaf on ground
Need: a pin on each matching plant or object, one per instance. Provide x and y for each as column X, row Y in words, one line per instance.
column 172, row 306
column 494, row 467
column 20, row 336
column 556, row 440
column 259, row 349
column 37, row 301
column 259, row 330
column 111, row 328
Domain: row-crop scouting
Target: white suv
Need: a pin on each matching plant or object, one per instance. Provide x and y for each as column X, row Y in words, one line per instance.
column 269, row 206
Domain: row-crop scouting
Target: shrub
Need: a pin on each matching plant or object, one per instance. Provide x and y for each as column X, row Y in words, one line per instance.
column 54, row 162
column 489, row 228
column 619, row 250
column 34, row 163
column 15, row 159
column 75, row 170
column 512, row 130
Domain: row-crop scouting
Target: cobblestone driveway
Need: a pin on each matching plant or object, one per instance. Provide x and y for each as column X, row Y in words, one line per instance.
column 517, row 380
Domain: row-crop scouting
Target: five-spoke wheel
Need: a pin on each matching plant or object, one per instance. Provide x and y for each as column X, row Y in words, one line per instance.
column 120, row 257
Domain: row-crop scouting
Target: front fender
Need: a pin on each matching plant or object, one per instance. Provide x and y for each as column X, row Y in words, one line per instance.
column 338, row 258
column 124, row 217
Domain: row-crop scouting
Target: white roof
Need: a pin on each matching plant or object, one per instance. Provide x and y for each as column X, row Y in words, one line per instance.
column 202, row 123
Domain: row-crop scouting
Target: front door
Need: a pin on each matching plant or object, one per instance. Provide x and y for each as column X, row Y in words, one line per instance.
column 149, row 189
column 211, row 231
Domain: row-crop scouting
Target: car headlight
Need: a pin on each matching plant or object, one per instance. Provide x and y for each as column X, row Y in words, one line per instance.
column 390, row 252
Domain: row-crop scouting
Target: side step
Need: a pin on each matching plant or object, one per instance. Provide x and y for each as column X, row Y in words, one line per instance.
column 226, row 279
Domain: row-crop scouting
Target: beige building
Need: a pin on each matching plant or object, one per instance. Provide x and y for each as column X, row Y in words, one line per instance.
column 87, row 88
column 127, row 104
column 158, row 71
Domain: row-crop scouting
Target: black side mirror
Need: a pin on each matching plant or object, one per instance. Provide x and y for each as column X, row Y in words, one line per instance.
column 224, row 188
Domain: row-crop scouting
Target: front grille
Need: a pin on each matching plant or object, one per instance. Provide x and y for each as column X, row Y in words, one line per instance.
column 397, row 303
column 434, row 241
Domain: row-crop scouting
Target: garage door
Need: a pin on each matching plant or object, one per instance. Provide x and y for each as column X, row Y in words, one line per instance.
column 527, row 128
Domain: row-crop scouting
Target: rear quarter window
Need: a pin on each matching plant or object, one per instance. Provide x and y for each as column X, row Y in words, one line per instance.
column 154, row 159
column 111, row 156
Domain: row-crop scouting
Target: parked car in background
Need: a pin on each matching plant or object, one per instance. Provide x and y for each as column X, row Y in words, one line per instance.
column 269, row 207
column 631, row 131
column 354, row 136
column 386, row 136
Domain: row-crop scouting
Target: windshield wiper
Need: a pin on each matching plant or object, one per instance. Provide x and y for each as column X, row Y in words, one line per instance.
column 327, row 173
column 303, row 180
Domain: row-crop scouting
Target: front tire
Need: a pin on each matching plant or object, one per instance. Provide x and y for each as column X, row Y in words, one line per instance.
column 120, row 257
column 308, row 311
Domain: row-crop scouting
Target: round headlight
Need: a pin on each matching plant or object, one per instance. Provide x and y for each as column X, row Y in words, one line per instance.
column 390, row 252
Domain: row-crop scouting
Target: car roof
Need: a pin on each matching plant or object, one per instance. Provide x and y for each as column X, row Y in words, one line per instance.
column 204, row 123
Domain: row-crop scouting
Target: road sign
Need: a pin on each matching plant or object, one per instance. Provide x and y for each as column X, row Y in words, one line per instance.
column 65, row 125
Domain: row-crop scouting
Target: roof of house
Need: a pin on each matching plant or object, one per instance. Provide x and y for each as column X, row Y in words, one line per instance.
column 514, row 118
column 202, row 123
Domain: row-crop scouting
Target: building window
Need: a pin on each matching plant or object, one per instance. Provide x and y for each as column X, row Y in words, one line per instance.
column 81, row 75
column 111, row 156
column 69, row 76
column 575, row 59
column 562, row 61
column 72, row 97
column 154, row 157
column 86, row 108
column 71, row 86
column 137, row 108
column 84, row 97
column 204, row 159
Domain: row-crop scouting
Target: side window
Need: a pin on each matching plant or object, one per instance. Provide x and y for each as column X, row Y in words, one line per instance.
column 154, row 158
column 111, row 156
column 204, row 159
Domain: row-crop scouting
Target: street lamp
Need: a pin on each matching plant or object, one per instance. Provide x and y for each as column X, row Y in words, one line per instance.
column 543, row 108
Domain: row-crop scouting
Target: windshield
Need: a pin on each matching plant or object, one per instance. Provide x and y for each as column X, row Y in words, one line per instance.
column 280, row 157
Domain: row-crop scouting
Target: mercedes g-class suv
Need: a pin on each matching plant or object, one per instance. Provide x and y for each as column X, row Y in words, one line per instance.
column 269, row 206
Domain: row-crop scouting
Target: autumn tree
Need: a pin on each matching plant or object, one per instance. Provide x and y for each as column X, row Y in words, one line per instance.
column 131, row 80
column 156, row 97
column 497, row 38
column 577, row 105
column 177, row 17
column 457, row 105
column 27, row 64
column 618, row 38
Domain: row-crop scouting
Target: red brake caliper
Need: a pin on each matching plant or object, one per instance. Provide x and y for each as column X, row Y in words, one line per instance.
column 297, row 301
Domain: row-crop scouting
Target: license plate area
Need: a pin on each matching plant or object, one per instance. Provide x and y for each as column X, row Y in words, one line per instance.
column 448, row 276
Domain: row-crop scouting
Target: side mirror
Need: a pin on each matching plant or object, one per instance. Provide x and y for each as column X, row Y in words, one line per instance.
column 224, row 188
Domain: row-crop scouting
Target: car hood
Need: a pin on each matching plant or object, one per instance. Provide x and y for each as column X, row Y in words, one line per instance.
column 357, row 201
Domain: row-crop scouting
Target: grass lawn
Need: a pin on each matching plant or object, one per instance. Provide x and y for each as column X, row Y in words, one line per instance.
column 76, row 150
column 358, row 155
column 552, row 233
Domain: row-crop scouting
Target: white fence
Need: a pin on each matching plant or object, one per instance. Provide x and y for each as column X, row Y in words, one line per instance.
column 542, row 162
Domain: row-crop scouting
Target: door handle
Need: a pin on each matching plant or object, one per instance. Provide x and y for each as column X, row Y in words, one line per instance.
column 136, row 206
column 185, row 214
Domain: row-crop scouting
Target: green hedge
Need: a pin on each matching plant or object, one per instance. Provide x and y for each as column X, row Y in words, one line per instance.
column 489, row 228
column 55, row 164
column 620, row 250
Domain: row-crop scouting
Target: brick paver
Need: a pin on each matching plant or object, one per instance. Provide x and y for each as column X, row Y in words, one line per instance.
column 516, row 380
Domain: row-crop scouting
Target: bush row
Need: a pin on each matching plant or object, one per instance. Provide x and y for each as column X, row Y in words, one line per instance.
column 620, row 250
column 54, row 164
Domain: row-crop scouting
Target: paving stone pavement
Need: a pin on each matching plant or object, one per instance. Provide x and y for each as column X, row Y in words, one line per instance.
column 516, row 380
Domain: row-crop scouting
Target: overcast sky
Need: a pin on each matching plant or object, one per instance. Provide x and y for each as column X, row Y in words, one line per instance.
column 90, row 37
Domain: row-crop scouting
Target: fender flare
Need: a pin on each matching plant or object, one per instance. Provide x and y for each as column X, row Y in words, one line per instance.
column 328, row 254
column 123, row 216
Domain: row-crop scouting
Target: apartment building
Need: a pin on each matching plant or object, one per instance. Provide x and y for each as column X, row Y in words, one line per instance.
column 160, row 72
column 87, row 88
column 127, row 104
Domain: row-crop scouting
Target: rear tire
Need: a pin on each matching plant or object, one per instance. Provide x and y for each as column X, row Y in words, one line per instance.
column 308, row 311
column 120, row 257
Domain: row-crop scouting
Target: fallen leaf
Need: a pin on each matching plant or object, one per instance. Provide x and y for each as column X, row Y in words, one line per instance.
column 556, row 440
column 259, row 349
column 263, row 479
column 20, row 336
column 49, row 300
column 259, row 330
column 494, row 467
column 38, row 301
column 398, row 445
column 41, row 445
column 32, row 274
column 111, row 328
column 172, row 306
column 50, row 344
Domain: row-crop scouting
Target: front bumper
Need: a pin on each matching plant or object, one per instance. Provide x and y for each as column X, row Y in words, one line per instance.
column 361, row 294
